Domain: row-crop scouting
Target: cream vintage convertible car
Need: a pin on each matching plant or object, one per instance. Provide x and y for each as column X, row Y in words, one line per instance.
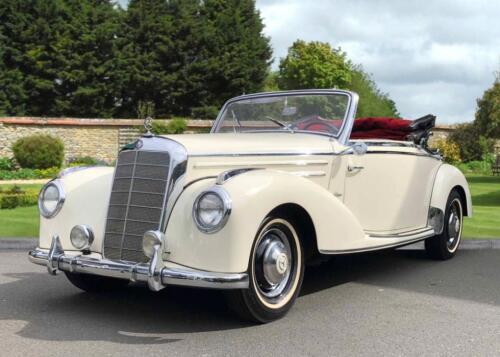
column 281, row 178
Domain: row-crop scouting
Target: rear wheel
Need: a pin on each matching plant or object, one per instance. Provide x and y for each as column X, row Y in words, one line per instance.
column 276, row 270
column 95, row 283
column 445, row 245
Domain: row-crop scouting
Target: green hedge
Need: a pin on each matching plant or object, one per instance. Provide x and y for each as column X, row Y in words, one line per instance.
column 11, row 201
column 29, row 174
column 17, row 197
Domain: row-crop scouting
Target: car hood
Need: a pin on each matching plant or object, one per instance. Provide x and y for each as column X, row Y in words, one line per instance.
column 253, row 143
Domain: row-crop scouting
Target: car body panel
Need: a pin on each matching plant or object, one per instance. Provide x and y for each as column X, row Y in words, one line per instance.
column 357, row 201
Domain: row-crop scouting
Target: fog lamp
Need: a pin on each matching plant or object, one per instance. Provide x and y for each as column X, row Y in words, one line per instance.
column 81, row 237
column 150, row 241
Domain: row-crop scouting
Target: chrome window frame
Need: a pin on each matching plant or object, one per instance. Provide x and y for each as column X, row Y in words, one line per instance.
column 344, row 131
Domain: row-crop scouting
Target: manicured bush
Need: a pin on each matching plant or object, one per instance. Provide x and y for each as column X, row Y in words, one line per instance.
column 39, row 152
column 6, row 163
column 449, row 149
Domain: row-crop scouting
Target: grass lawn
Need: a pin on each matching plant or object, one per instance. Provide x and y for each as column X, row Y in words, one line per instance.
column 485, row 223
column 22, row 221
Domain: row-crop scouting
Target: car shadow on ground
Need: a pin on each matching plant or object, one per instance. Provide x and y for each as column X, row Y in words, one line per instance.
column 55, row 310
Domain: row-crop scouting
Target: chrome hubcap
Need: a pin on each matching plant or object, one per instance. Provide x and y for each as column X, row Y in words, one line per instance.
column 454, row 224
column 273, row 263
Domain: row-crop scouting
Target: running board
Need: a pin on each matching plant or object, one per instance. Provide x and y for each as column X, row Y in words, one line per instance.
column 409, row 238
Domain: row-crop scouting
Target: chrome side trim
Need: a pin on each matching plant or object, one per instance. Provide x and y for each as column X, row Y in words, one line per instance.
column 245, row 154
column 246, row 164
column 226, row 175
column 56, row 260
column 412, row 233
column 404, row 153
column 308, row 173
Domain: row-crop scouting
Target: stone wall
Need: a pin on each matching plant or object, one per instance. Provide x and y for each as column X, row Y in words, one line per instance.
column 99, row 138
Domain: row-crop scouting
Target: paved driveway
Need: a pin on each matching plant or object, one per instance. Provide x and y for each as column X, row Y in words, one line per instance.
column 389, row 303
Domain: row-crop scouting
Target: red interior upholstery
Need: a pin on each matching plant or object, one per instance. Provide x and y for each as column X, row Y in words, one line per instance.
column 363, row 128
column 381, row 128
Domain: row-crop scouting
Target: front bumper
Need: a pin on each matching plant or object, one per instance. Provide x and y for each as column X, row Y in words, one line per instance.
column 154, row 273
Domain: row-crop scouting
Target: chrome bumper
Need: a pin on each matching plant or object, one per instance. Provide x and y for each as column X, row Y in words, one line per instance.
column 152, row 273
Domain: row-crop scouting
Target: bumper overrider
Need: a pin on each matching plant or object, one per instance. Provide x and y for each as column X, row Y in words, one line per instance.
column 154, row 273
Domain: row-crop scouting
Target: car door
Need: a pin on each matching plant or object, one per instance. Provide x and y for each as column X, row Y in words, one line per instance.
column 389, row 187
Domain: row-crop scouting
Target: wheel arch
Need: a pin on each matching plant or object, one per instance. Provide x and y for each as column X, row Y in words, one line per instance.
column 450, row 178
column 304, row 224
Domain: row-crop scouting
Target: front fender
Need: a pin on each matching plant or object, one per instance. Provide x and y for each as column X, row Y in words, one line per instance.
column 87, row 195
column 447, row 178
column 254, row 194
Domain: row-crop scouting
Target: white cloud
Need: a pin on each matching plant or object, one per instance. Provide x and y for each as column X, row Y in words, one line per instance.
column 432, row 56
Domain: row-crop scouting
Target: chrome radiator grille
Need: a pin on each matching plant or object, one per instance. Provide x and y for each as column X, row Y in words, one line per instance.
column 136, row 204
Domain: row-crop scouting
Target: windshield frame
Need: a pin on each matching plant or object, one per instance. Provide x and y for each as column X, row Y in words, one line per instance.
column 347, row 122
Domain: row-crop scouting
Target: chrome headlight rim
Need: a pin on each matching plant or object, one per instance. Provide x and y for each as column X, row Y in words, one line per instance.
column 226, row 210
column 60, row 201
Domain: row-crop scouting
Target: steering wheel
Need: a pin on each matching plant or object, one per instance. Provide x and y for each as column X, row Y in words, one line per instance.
column 317, row 120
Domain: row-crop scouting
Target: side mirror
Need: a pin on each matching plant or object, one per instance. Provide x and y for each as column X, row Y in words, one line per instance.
column 357, row 148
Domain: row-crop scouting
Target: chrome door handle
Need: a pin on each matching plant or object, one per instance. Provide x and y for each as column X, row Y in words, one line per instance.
column 354, row 168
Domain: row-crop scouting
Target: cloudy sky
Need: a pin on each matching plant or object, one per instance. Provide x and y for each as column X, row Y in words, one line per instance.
column 430, row 56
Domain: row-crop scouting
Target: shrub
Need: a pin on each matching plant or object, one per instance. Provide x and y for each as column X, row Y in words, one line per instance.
column 207, row 112
column 6, row 163
column 174, row 126
column 449, row 149
column 11, row 201
column 39, row 152
column 86, row 161
column 473, row 146
column 29, row 174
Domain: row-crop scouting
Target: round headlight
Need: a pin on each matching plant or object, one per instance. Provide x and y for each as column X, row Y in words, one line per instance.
column 211, row 210
column 81, row 237
column 151, row 240
column 51, row 199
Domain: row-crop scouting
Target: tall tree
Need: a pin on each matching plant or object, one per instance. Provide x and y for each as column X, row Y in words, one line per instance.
column 318, row 65
column 238, row 53
column 61, row 53
column 185, row 54
column 372, row 101
column 488, row 111
column 314, row 65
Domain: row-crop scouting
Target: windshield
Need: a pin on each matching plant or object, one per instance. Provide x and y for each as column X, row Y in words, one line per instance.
column 323, row 113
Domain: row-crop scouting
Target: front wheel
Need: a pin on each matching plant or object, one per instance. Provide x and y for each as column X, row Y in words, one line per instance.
column 445, row 245
column 276, row 270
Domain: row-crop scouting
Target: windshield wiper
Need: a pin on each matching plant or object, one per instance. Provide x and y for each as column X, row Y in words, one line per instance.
column 235, row 118
column 280, row 123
